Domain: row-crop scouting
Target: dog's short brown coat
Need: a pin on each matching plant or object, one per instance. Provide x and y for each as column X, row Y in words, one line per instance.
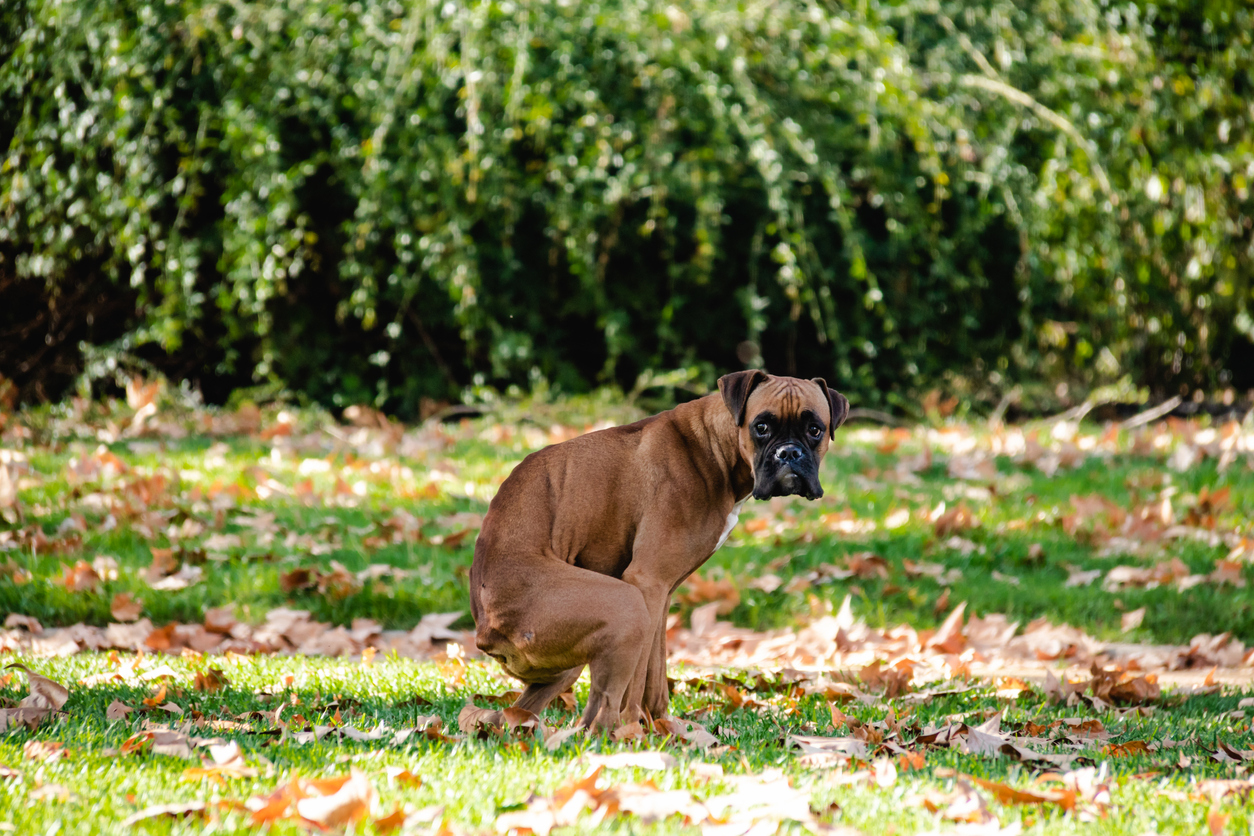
column 586, row 540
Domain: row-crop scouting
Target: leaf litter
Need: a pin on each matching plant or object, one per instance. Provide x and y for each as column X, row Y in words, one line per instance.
column 835, row 656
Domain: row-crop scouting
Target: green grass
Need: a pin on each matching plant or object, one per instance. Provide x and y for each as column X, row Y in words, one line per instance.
column 475, row 780
column 213, row 486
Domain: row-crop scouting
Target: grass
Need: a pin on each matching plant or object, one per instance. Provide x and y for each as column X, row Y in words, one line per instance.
column 475, row 780
column 332, row 494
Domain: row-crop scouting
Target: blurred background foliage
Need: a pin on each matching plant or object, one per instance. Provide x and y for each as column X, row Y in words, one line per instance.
column 398, row 203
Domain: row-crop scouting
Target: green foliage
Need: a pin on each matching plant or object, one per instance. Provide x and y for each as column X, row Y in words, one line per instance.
column 383, row 201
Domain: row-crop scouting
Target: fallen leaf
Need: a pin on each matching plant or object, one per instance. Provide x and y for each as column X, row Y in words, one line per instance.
column 1130, row 749
column 125, row 608
column 390, row 822
column 652, row 759
column 42, row 689
column 685, row 730
column 80, row 578
column 1007, row 794
column 349, row 802
column 472, row 719
column 178, row 811
column 400, row 775
column 210, row 680
column 1132, row 620
column 117, row 710
column 44, row 750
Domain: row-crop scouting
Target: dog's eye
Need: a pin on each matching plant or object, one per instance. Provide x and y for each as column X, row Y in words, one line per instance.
column 816, row 432
column 761, row 428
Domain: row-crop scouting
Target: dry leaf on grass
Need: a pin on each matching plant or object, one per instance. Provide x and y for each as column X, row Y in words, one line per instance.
column 125, row 608
column 1007, row 794
column 688, row 731
column 557, row 738
column 1132, row 620
column 81, row 577
column 473, row 720
column 652, row 759
column 210, row 680
column 44, row 750
column 45, row 697
column 324, row 803
column 117, row 710
column 178, row 811
column 43, row 691
column 225, row 761
column 400, row 775
column 697, row 590
column 823, row 751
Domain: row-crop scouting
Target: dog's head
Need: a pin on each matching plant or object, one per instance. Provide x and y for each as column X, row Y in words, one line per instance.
column 784, row 427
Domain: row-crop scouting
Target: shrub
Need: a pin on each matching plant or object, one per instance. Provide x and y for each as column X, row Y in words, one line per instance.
column 384, row 201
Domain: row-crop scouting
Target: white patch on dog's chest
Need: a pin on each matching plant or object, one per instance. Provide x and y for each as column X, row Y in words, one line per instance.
column 732, row 518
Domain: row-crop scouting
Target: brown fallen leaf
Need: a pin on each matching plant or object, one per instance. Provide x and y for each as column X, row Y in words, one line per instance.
column 210, row 680
column 629, row 731
column 117, row 710
column 686, row 730
column 44, row 750
column 179, row 811
column 225, row 761
column 45, row 697
column 25, row 622
column 163, row 563
column 350, row 802
column 652, row 759
column 400, row 775
column 884, row 773
column 963, row 804
column 42, row 689
column 125, row 608
column 157, row 697
column 162, row 638
column 81, row 577
column 1007, row 794
column 557, row 738
column 390, row 822
column 948, row 637
column 475, row 720
column 1123, row 687
column 1130, row 749
column 1132, row 620
column 819, row 749
column 220, row 619
column 697, row 590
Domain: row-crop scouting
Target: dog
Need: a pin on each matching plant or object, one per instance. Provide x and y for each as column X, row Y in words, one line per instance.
column 586, row 540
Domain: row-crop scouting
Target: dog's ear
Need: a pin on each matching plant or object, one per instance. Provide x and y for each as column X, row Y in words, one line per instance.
column 837, row 404
column 735, row 389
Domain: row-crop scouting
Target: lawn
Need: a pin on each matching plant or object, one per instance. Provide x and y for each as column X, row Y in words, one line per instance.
column 978, row 629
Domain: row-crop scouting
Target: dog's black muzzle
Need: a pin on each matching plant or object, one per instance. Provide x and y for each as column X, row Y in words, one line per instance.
column 787, row 469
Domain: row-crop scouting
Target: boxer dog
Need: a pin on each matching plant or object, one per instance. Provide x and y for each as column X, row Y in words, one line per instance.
column 586, row 540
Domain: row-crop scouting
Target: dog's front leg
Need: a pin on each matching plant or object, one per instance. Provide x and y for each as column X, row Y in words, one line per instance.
column 657, row 598
column 657, row 694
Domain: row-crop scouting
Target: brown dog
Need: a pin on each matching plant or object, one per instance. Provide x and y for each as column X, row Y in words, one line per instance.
column 586, row 540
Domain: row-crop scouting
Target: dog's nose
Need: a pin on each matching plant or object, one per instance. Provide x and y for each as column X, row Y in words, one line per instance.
column 788, row 453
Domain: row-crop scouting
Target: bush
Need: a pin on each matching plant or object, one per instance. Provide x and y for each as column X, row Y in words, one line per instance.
column 379, row 201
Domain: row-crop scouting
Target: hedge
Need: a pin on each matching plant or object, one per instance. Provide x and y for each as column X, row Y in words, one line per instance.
column 378, row 201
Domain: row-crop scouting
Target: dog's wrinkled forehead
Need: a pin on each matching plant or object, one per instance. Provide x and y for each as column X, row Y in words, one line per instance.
column 788, row 397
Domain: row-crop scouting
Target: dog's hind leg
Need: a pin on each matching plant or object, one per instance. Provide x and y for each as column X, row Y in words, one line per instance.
column 536, row 696
column 544, row 625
